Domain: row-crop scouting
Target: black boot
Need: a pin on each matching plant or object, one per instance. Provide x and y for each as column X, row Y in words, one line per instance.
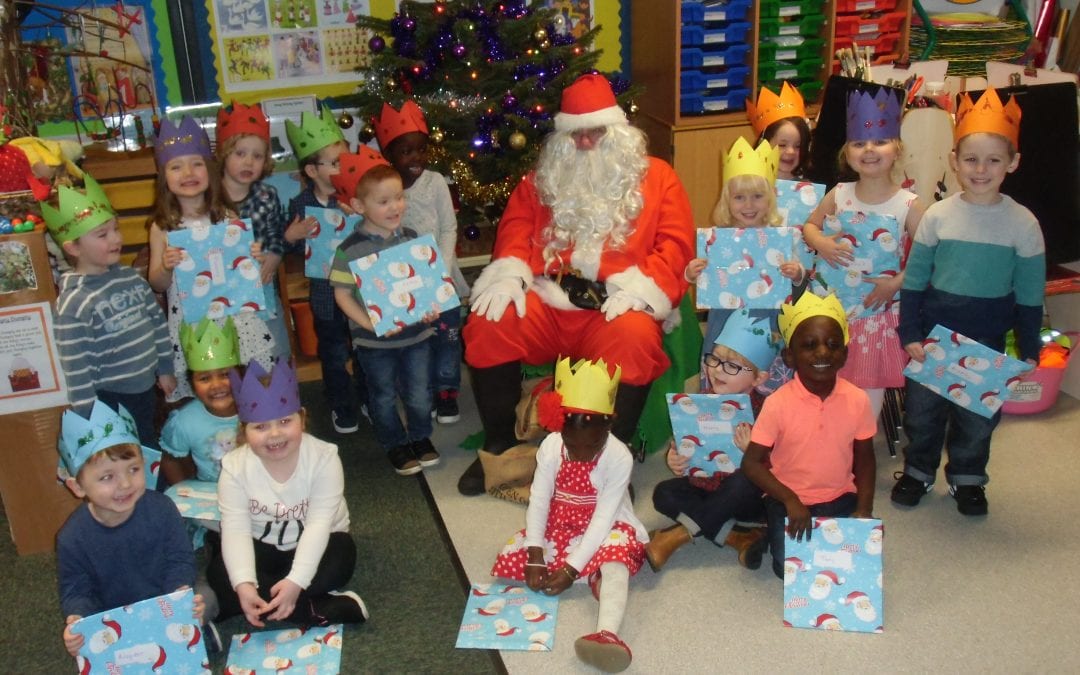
column 497, row 391
column 629, row 402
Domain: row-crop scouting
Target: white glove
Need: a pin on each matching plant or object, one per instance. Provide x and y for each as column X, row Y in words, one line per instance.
column 620, row 303
column 493, row 300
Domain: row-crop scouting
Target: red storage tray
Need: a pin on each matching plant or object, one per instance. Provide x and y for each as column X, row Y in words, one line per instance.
column 847, row 6
column 873, row 22
column 879, row 44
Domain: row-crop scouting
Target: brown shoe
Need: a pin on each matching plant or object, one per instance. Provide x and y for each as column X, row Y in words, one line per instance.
column 662, row 543
column 750, row 544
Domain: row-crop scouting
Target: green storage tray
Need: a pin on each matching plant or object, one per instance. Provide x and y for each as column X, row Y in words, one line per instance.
column 772, row 9
column 806, row 25
column 790, row 70
column 770, row 51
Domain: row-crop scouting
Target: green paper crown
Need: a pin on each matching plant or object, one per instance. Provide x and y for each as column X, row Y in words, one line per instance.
column 210, row 347
column 77, row 213
column 313, row 134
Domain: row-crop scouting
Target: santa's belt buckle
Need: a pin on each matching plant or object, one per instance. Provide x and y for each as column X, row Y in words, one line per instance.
column 583, row 293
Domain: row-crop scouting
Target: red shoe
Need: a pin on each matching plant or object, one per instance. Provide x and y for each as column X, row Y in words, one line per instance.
column 603, row 651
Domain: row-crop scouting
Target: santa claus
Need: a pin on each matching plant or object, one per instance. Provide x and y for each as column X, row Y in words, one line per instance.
column 590, row 251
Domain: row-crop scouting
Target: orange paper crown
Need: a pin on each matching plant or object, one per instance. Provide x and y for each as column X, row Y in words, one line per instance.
column 988, row 115
column 353, row 168
column 393, row 123
column 242, row 119
column 771, row 108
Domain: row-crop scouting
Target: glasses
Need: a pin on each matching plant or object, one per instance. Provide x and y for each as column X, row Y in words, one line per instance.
column 336, row 164
column 729, row 367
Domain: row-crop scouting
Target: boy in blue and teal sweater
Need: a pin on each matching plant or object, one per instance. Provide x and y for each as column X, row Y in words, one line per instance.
column 977, row 267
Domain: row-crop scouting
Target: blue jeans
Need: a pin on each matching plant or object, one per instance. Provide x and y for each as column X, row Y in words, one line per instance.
column 334, row 351
column 710, row 510
column 446, row 352
column 933, row 422
column 776, row 512
column 143, row 409
column 394, row 371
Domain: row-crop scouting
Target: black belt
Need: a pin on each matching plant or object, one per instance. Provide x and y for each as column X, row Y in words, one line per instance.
column 583, row 293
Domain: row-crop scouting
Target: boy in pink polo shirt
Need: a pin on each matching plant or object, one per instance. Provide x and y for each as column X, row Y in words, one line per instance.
column 812, row 447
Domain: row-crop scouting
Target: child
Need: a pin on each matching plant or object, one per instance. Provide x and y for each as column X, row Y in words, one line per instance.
column 110, row 333
column 285, row 546
column 873, row 144
column 403, row 137
column 580, row 522
column 977, row 267
column 737, row 364
column 199, row 434
column 812, row 447
column 318, row 143
column 781, row 120
column 123, row 544
column 400, row 360
column 243, row 155
column 185, row 197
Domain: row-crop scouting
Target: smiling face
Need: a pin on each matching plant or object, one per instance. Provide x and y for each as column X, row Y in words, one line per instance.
column 187, row 176
column 275, row 441
column 723, row 382
column 111, row 486
column 408, row 153
column 245, row 163
column 817, row 353
column 981, row 162
column 98, row 249
column 213, row 388
column 382, row 203
column 788, row 139
column 872, row 159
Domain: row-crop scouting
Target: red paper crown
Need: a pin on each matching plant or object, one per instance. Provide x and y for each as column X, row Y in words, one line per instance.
column 241, row 119
column 393, row 123
column 353, row 168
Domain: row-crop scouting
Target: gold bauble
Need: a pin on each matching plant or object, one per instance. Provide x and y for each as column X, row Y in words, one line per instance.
column 392, row 84
column 517, row 140
column 436, row 135
column 545, row 45
column 540, row 35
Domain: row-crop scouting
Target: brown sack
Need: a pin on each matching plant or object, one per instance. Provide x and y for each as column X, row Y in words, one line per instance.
column 528, row 426
column 509, row 475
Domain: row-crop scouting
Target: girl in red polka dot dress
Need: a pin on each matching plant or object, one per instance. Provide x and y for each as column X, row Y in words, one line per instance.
column 580, row 523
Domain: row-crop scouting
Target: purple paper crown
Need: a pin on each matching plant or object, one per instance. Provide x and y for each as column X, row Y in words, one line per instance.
column 258, row 402
column 872, row 118
column 176, row 141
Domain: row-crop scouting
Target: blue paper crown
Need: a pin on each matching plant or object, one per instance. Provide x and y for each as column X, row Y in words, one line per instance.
column 751, row 337
column 258, row 402
column 81, row 438
column 871, row 118
column 187, row 138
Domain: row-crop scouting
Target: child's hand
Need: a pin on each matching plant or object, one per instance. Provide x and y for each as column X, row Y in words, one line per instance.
column 167, row 384
column 742, row 435
column 430, row 317
column 885, row 289
column 269, row 267
column 676, row 462
column 283, row 596
column 557, row 582
column 915, row 351
column 798, row 520
column 535, row 569
column 836, row 253
column 198, row 606
column 694, row 269
column 346, row 208
column 257, row 252
column 172, row 257
column 251, row 603
column 861, row 514
column 793, row 270
column 301, row 229
column 73, row 642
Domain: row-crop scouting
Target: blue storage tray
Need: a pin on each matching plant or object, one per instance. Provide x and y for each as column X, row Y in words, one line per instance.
column 732, row 99
column 697, row 81
column 731, row 55
column 701, row 12
column 693, row 36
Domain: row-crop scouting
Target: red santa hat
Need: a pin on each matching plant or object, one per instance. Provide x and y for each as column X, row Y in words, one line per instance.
column 852, row 598
column 878, row 232
column 989, row 394
column 733, row 404
column 824, row 619
column 238, row 261
column 196, row 635
column 831, row 576
column 588, row 103
column 695, row 439
column 159, row 664
column 797, row 562
column 957, row 386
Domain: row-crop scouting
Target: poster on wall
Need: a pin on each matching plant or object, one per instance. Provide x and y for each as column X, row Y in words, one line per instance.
column 572, row 16
column 278, row 44
column 29, row 365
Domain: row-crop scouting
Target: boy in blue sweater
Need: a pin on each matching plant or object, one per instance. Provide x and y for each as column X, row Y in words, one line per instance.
column 977, row 267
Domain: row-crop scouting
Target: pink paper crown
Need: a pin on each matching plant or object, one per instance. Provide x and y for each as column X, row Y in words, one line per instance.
column 871, row 118
column 187, row 138
column 258, row 402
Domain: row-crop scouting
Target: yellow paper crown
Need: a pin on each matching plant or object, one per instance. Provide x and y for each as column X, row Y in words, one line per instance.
column 988, row 115
column 587, row 386
column 744, row 160
column 810, row 305
column 771, row 108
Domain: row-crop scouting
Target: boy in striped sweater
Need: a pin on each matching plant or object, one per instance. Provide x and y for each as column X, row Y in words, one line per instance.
column 110, row 331
column 977, row 267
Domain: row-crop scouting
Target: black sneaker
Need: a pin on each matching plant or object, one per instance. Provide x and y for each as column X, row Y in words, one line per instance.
column 970, row 499
column 345, row 422
column 446, row 407
column 338, row 607
column 425, row 452
column 908, row 489
column 403, row 460
column 211, row 638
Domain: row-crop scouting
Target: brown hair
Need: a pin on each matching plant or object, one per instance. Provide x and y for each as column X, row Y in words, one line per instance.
column 116, row 453
column 225, row 149
column 166, row 213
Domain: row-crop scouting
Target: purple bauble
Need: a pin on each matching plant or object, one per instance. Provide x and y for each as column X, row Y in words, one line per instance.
column 509, row 102
column 458, row 50
column 408, row 23
column 376, row 44
column 472, row 232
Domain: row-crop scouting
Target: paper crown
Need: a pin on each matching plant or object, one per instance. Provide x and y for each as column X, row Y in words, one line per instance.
column 988, row 115
column 810, row 305
column 187, row 138
column 258, row 402
column 772, row 108
column 587, row 386
column 353, row 167
column 81, row 438
column 77, row 213
column 241, row 119
column 751, row 337
column 313, row 133
column 587, row 103
column 208, row 346
column 744, row 160
column 872, row 118
column 393, row 123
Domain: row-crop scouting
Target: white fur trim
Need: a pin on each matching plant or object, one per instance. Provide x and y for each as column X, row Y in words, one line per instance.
column 597, row 118
column 587, row 262
column 672, row 321
column 633, row 281
column 552, row 294
column 501, row 269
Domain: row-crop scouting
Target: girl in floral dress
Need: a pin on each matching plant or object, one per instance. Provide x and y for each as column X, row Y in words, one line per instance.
column 580, row 523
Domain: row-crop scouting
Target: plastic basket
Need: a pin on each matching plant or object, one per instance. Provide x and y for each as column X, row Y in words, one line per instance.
column 807, row 25
column 691, row 81
column 1035, row 393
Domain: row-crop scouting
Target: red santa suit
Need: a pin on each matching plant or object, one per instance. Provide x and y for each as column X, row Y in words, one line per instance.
column 649, row 267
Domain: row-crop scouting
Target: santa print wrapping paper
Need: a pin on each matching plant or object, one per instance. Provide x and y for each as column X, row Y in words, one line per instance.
column 331, row 230
column 158, row 635
column 795, row 201
column 292, row 651
column 743, row 266
column 875, row 245
column 401, row 284
column 218, row 275
column 195, row 499
column 703, row 426
column 508, row 616
column 967, row 373
column 832, row 581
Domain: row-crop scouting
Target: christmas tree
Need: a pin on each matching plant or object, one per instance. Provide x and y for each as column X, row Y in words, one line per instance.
column 488, row 76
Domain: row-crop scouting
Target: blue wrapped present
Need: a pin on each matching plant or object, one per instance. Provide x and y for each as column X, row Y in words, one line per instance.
column 743, row 266
column 703, row 426
column 875, row 243
column 508, row 616
column 290, row 651
column 319, row 250
column 218, row 275
column 195, row 499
